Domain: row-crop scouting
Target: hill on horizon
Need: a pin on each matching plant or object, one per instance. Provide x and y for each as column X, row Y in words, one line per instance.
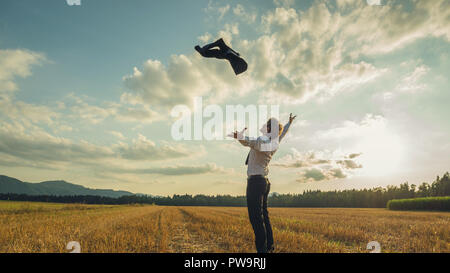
column 59, row 187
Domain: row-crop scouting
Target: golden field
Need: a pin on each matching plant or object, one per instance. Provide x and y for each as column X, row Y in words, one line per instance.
column 46, row 227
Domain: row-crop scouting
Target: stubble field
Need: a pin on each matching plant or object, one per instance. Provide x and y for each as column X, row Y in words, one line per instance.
column 43, row 227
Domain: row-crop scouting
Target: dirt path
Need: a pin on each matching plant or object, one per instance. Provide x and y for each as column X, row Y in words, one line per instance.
column 187, row 241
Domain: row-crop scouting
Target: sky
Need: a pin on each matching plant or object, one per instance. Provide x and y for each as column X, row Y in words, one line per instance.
column 87, row 91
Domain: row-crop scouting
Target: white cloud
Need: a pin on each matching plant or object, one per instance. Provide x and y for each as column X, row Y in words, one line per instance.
column 303, row 55
column 212, row 10
column 382, row 147
column 284, row 3
column 349, row 164
column 142, row 114
column 145, row 149
column 63, row 128
column 299, row 160
column 316, row 175
column 16, row 63
column 229, row 31
column 319, row 165
column 394, row 25
column 177, row 170
column 411, row 82
column 352, row 130
column 318, row 51
column 182, row 79
column 243, row 14
column 117, row 134
column 94, row 114
column 38, row 145
column 25, row 112
column 205, row 37
column 374, row 2
column 223, row 10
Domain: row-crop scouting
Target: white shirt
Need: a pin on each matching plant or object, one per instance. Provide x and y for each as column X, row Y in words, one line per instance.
column 260, row 155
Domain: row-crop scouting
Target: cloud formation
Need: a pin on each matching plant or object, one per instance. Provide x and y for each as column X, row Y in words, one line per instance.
column 299, row 160
column 39, row 146
column 25, row 143
column 320, row 49
column 349, row 164
column 295, row 56
column 319, row 165
column 145, row 149
column 243, row 14
column 212, row 9
column 316, row 175
column 184, row 78
column 177, row 170
column 125, row 111
column 26, row 113
column 411, row 82
column 382, row 142
column 16, row 63
column 302, row 55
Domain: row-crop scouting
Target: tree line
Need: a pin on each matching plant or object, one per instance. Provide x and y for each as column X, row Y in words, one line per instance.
column 365, row 198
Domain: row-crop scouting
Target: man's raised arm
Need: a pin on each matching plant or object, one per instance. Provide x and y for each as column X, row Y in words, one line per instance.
column 286, row 127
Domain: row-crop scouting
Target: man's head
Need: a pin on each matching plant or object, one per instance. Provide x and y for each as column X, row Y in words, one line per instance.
column 273, row 123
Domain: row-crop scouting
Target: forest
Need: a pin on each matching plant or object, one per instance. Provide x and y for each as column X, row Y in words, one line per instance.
column 365, row 198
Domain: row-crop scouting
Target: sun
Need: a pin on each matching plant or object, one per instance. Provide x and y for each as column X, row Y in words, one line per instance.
column 383, row 153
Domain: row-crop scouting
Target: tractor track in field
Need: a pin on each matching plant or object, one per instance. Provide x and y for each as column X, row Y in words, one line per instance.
column 187, row 241
column 160, row 234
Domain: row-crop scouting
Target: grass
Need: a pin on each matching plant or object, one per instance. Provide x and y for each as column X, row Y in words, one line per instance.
column 426, row 203
column 44, row 227
column 16, row 207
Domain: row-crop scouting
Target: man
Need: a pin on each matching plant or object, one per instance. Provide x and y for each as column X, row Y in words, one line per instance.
column 258, row 186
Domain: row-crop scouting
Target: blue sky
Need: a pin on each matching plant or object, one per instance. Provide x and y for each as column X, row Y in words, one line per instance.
column 76, row 38
column 86, row 91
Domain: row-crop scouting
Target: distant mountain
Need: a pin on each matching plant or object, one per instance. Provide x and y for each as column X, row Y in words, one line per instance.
column 12, row 185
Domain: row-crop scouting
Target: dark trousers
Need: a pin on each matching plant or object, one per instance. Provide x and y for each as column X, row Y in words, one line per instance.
column 258, row 188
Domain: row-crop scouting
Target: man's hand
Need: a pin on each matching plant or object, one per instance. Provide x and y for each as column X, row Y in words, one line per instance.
column 237, row 134
column 291, row 118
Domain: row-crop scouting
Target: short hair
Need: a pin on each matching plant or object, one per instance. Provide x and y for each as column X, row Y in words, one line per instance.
column 280, row 127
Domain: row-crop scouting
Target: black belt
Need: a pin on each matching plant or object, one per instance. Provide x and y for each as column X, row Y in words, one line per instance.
column 257, row 176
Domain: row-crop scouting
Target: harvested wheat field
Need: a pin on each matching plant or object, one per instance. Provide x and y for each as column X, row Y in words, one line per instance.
column 44, row 227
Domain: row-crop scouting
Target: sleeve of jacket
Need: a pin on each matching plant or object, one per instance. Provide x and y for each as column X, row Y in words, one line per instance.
column 285, row 130
column 259, row 144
